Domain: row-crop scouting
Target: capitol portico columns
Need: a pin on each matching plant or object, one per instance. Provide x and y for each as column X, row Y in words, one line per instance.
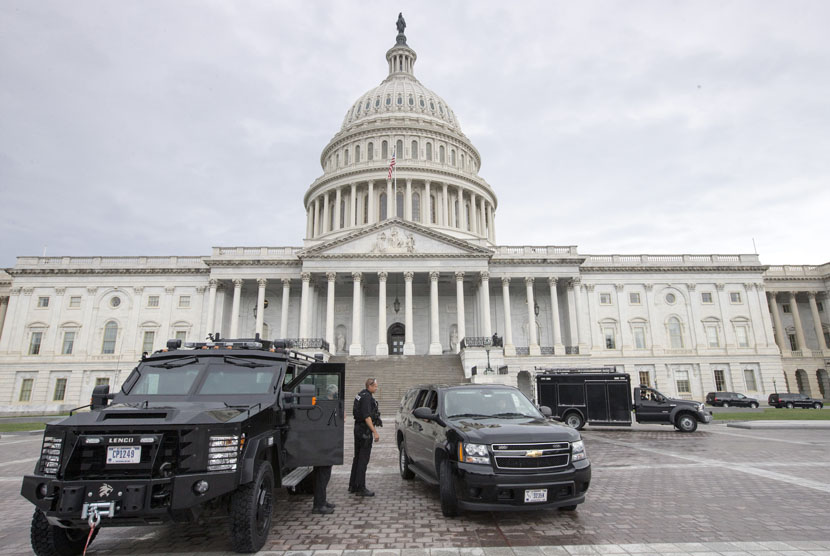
column 485, row 291
column 459, row 295
column 336, row 210
column 799, row 329
column 286, row 291
column 532, row 335
column 435, row 342
column 509, row 347
column 237, row 293
column 409, row 342
column 331, row 277
column 213, row 283
column 780, row 335
column 576, row 287
column 326, row 220
column 356, row 348
column 306, row 278
column 554, row 306
column 822, row 345
column 382, row 347
column 260, row 305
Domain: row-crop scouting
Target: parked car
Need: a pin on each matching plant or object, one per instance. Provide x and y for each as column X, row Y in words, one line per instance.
column 794, row 400
column 730, row 399
column 488, row 448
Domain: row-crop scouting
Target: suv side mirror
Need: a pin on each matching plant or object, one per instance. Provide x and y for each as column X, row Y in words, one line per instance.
column 424, row 413
column 100, row 397
column 545, row 411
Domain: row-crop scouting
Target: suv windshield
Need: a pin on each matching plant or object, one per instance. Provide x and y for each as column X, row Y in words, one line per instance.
column 225, row 376
column 488, row 402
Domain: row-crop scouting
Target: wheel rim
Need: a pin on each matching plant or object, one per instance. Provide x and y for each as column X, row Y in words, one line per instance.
column 789, row 406
column 685, row 423
column 263, row 507
column 573, row 421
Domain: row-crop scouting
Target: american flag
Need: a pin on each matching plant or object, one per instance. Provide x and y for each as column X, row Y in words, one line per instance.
column 391, row 165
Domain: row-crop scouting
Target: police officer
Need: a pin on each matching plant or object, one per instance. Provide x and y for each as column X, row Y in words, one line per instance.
column 366, row 417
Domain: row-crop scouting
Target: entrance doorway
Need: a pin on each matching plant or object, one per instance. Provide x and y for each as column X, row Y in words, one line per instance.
column 395, row 337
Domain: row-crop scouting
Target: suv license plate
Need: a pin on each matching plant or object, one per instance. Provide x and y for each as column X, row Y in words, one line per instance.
column 536, row 495
column 123, row 454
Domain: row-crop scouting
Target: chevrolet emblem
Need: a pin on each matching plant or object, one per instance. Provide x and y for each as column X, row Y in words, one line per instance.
column 533, row 453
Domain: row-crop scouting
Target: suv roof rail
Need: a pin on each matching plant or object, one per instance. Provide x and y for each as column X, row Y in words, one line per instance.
column 576, row 370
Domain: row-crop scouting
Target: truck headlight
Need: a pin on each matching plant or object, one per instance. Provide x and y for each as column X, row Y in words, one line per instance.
column 223, row 452
column 473, row 453
column 701, row 407
column 50, row 455
column 578, row 451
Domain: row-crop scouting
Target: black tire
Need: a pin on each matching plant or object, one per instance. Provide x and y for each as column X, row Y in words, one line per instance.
column 251, row 507
column 789, row 405
column 725, row 404
column 403, row 463
column 817, row 405
column 753, row 405
column 574, row 420
column 51, row 540
column 568, row 508
column 446, row 490
column 686, row 422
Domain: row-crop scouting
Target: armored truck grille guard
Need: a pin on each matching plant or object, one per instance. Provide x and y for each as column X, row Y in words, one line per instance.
column 550, row 455
column 167, row 455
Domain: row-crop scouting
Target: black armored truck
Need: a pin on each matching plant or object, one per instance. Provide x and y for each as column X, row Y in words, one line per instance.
column 602, row 396
column 200, row 430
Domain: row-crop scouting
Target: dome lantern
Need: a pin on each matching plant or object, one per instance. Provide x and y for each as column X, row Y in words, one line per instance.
column 401, row 58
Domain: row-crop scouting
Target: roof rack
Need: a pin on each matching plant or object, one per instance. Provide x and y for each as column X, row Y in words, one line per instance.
column 273, row 346
column 576, row 370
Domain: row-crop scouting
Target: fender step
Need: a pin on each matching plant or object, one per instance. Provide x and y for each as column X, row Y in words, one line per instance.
column 294, row 478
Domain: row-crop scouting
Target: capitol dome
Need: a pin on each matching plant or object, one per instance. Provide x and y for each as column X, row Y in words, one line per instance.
column 435, row 183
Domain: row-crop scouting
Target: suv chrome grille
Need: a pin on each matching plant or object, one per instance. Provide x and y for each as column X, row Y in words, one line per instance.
column 549, row 455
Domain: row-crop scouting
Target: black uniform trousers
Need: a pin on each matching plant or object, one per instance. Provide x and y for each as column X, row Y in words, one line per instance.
column 362, row 451
column 321, row 481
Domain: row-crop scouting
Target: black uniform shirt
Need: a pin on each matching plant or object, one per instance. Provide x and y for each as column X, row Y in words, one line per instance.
column 364, row 405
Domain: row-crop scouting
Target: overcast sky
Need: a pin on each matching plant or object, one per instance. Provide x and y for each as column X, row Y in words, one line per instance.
column 168, row 127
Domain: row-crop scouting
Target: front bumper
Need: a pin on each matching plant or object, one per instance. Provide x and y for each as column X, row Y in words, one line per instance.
column 704, row 416
column 137, row 501
column 479, row 487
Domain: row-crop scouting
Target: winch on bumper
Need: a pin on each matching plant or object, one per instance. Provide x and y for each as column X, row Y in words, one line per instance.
column 147, row 501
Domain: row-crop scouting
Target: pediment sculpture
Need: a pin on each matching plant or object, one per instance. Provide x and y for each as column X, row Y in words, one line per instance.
column 394, row 242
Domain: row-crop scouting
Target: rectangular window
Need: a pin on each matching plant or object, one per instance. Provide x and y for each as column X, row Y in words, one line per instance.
column 742, row 336
column 184, row 302
column 640, row 337
column 720, row 380
column 683, row 384
column 102, row 381
column 74, row 301
column 735, row 297
column 712, row 336
column 610, row 340
column 645, row 378
column 147, row 344
column 181, row 335
column 68, row 342
column 605, row 299
column 34, row 343
column 785, row 307
column 42, row 302
column 793, row 342
column 820, row 306
column 749, row 376
column 706, row 297
column 634, row 298
column 152, row 301
column 60, row 390
column 26, row 389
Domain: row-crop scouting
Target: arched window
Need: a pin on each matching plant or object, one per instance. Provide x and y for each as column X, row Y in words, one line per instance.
column 384, row 150
column 462, row 160
column 675, row 333
column 452, row 157
column 342, row 213
column 382, row 207
column 110, row 335
column 441, row 155
column 357, row 154
column 399, row 149
column 337, row 160
column 467, row 215
column 429, row 151
column 346, row 156
column 432, row 219
column 413, row 154
column 399, row 204
column 370, row 151
column 416, row 207
column 366, row 209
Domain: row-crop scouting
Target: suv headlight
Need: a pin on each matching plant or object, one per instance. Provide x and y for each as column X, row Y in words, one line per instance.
column 578, row 451
column 223, row 452
column 473, row 453
column 50, row 455
column 701, row 407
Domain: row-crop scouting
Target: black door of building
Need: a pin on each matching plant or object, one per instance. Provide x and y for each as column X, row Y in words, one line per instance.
column 395, row 338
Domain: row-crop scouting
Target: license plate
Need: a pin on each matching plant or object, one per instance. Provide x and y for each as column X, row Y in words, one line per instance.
column 536, row 495
column 123, row 454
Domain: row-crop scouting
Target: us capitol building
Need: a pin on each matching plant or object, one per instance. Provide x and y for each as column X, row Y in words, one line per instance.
column 411, row 267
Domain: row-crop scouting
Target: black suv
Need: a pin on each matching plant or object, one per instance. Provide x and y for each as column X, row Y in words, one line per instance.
column 794, row 400
column 489, row 448
column 208, row 430
column 730, row 399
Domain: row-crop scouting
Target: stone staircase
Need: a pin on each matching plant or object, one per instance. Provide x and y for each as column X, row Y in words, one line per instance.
column 395, row 375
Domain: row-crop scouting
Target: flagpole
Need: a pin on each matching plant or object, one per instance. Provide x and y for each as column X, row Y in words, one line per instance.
column 395, row 177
